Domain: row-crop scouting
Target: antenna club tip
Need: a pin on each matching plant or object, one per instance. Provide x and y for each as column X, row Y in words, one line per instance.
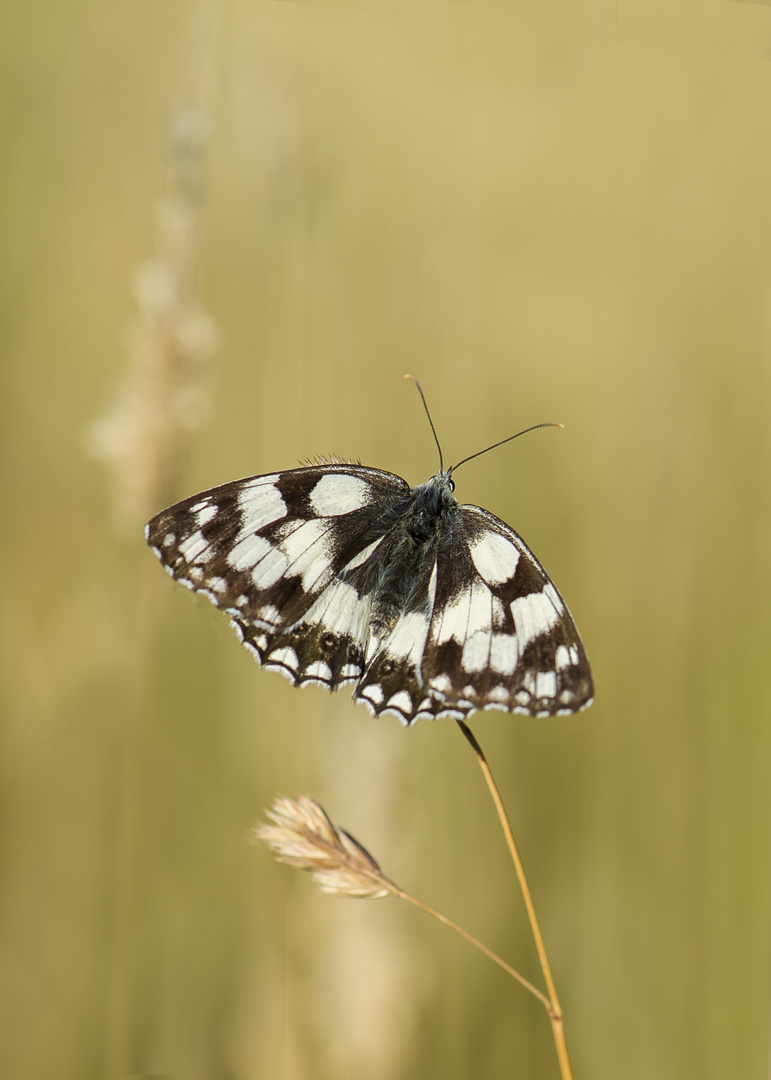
column 412, row 377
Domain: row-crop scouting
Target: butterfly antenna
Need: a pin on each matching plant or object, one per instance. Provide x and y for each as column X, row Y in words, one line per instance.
column 549, row 423
column 431, row 422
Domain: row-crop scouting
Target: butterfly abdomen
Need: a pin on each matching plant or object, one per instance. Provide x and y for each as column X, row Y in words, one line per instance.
column 410, row 556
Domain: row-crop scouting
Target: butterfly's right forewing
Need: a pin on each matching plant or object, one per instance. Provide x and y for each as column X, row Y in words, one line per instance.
column 501, row 636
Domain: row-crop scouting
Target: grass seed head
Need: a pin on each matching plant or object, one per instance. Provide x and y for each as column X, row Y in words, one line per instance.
column 302, row 835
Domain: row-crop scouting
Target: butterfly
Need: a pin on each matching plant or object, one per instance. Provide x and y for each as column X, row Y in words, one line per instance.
column 336, row 574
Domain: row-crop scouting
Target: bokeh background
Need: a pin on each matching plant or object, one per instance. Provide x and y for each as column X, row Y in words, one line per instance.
column 228, row 230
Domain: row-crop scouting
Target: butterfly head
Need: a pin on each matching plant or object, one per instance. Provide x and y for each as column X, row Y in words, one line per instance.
column 432, row 502
column 437, row 493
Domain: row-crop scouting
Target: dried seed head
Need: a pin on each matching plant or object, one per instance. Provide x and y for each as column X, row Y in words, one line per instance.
column 302, row 835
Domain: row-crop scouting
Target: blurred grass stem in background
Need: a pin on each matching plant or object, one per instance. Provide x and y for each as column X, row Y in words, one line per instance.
column 163, row 399
column 145, row 440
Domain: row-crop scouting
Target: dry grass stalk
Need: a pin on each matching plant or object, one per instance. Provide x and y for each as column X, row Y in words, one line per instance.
column 302, row 835
column 553, row 1006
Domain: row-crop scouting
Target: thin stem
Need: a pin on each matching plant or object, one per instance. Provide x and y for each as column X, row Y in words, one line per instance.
column 401, row 895
column 553, row 1006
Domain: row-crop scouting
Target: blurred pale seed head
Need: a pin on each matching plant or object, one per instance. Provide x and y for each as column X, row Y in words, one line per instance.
column 302, row 835
column 143, row 438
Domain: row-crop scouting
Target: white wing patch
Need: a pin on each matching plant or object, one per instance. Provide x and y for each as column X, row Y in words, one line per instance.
column 373, row 693
column 307, row 551
column 504, row 653
column 442, row 684
column 196, row 547
column 339, row 493
column 361, row 558
column 401, row 703
column 494, row 556
column 247, row 552
column 204, row 512
column 340, row 610
column 272, row 566
column 467, row 613
column 407, row 640
column 476, row 651
column 283, row 658
column 536, row 614
column 261, row 503
column 545, row 684
column 320, row 671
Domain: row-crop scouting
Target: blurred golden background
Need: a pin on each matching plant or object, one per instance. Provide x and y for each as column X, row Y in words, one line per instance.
column 228, row 231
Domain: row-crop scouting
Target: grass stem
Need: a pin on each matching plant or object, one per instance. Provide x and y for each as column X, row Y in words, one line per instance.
column 553, row 1008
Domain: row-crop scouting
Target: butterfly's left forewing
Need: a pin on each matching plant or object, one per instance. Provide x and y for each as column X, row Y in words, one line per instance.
column 273, row 551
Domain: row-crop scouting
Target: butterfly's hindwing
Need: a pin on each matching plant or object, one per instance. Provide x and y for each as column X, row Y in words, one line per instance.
column 392, row 682
column 340, row 574
column 502, row 636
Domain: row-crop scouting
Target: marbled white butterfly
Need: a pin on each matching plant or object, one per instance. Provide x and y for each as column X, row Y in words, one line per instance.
column 335, row 573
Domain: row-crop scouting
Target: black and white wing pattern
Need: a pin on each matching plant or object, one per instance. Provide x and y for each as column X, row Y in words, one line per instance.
column 340, row 574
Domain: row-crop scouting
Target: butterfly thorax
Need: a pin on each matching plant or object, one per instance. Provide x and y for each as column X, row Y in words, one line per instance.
column 432, row 502
column 411, row 553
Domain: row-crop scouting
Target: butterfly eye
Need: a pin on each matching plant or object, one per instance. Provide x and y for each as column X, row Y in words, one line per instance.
column 452, row 484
